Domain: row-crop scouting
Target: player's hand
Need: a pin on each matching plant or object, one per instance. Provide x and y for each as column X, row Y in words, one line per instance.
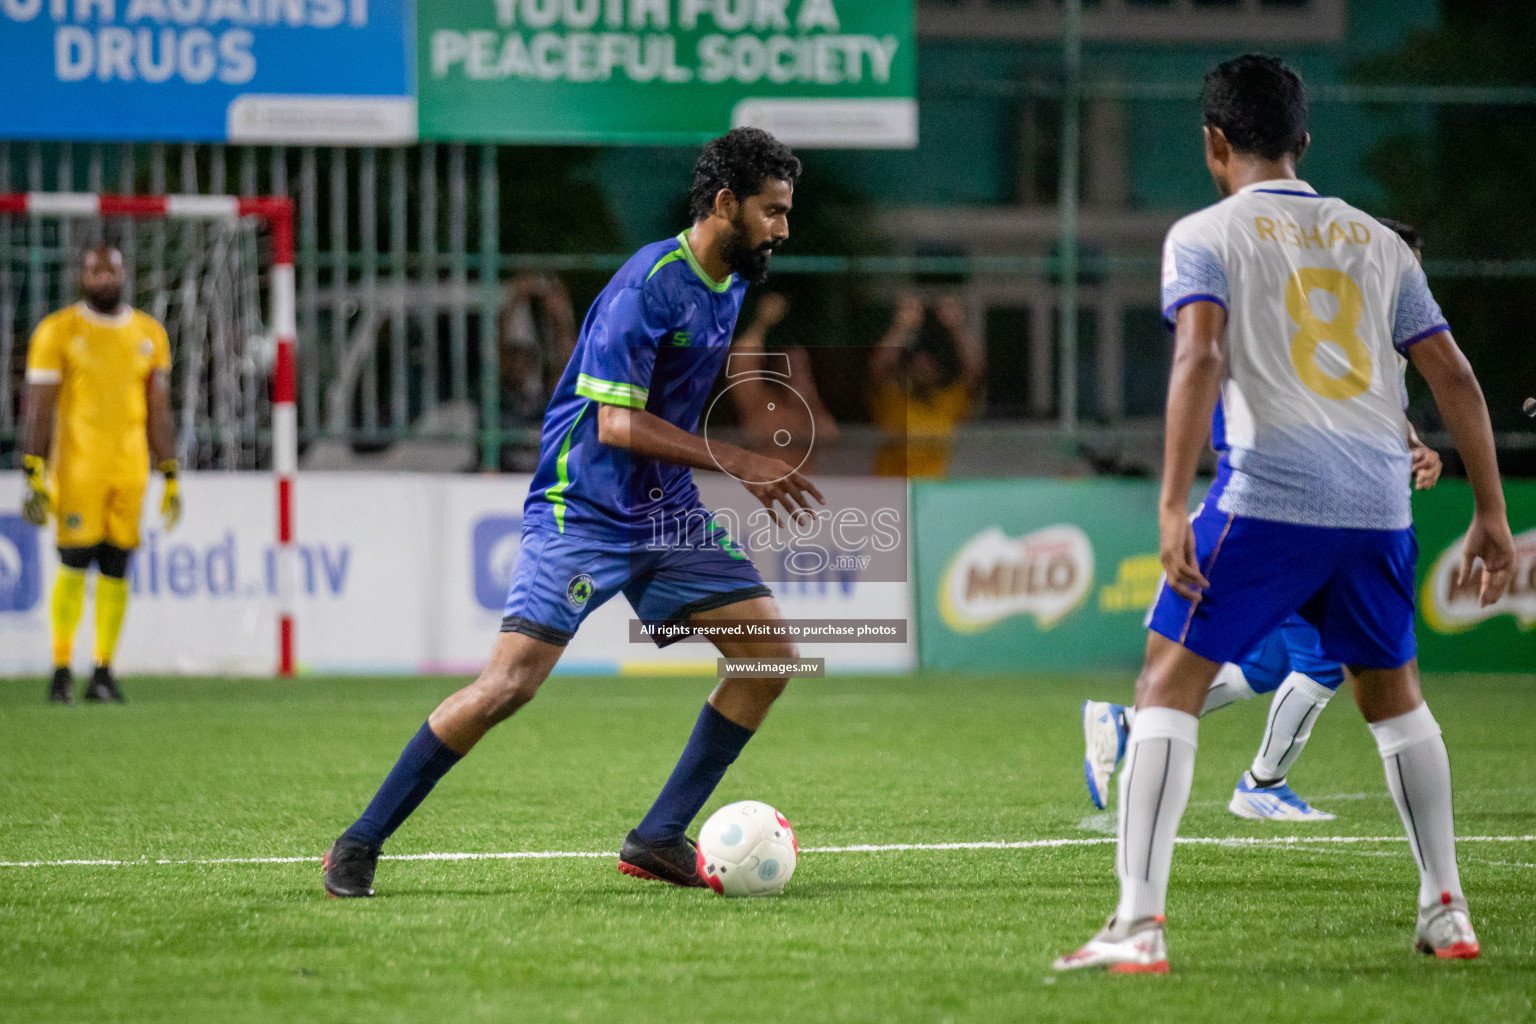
column 1177, row 549
column 785, row 485
column 36, row 505
column 1489, row 551
column 170, row 504
column 1426, row 467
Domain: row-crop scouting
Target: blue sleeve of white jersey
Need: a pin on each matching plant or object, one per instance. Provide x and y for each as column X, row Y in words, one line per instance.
column 1192, row 271
column 620, row 353
column 1418, row 314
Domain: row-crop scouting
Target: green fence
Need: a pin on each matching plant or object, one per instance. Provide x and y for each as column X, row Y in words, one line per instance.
column 1025, row 575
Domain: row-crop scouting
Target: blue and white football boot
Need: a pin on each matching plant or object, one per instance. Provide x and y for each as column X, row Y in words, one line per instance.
column 1278, row 802
column 1104, row 733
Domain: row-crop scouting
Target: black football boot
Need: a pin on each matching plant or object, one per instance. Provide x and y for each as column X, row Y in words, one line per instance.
column 62, row 690
column 349, row 867
column 676, row 861
column 103, row 688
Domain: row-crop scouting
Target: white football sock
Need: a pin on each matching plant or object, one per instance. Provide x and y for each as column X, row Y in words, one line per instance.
column 1292, row 713
column 1154, row 787
column 1229, row 685
column 1419, row 776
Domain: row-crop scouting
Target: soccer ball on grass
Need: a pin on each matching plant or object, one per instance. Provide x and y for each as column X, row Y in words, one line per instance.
column 747, row 849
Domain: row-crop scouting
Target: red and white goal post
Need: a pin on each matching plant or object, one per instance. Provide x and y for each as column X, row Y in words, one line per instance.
column 277, row 214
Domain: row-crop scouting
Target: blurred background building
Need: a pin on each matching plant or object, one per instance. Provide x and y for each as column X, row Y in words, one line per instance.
column 439, row 283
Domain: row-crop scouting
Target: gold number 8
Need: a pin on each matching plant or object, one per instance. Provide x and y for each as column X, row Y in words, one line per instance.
column 1312, row 330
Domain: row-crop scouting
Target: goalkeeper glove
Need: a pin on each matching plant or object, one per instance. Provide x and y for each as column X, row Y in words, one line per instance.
column 170, row 504
column 35, row 506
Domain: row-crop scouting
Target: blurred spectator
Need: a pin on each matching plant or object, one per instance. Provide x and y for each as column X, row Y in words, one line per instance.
column 914, row 400
column 536, row 333
column 774, row 393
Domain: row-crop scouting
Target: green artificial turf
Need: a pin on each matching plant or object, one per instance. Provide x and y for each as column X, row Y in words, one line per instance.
column 208, row 769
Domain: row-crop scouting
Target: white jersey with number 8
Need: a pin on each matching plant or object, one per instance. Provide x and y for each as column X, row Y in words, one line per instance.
column 1322, row 302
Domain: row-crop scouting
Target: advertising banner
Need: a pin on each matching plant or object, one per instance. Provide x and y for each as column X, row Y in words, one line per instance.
column 337, row 72
column 828, row 73
column 1023, row 575
column 396, row 574
column 1454, row 633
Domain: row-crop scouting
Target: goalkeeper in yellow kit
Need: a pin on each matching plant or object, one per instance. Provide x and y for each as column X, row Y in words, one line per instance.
column 101, row 370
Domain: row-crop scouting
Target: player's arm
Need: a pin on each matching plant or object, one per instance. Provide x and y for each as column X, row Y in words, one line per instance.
column 45, row 373
column 1194, row 385
column 162, row 445
column 1461, row 404
column 648, row 434
column 42, row 402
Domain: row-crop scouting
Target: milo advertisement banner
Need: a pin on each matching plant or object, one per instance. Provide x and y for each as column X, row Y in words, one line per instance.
column 1455, row 634
column 1025, row 575
column 1034, row 574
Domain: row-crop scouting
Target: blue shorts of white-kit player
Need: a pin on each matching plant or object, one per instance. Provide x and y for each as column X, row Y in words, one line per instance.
column 1354, row 586
column 1294, row 647
column 559, row 579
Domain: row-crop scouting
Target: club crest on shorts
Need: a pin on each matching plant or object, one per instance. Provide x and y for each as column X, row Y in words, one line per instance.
column 579, row 591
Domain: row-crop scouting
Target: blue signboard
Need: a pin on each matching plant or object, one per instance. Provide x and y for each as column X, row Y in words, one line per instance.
column 256, row 71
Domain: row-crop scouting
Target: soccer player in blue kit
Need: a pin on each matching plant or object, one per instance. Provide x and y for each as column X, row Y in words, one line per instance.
column 614, row 477
column 1294, row 311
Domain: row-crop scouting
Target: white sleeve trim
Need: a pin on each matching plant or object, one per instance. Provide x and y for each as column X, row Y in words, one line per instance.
column 39, row 376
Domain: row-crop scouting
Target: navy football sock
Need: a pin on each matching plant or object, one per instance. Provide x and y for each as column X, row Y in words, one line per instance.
column 714, row 745
column 423, row 761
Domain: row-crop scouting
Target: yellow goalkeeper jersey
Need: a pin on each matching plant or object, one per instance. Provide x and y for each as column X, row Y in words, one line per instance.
column 102, row 365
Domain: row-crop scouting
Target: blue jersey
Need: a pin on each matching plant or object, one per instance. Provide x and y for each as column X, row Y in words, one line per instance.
column 655, row 339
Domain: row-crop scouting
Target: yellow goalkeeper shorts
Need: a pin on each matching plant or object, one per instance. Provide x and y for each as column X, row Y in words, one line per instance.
column 92, row 509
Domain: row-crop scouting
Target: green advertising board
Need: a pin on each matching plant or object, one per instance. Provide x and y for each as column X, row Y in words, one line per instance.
column 1454, row 633
column 1034, row 574
column 1021, row 575
column 829, row 73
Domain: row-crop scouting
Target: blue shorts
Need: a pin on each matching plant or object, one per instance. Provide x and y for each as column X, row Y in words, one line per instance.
column 1294, row 647
column 560, row 579
column 1354, row 586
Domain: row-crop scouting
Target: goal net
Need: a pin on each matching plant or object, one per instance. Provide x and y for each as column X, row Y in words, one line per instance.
column 217, row 271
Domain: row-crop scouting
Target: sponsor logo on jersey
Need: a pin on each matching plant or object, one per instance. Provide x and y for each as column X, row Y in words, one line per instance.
column 579, row 591
column 1449, row 608
column 21, row 577
column 682, row 337
column 1046, row 574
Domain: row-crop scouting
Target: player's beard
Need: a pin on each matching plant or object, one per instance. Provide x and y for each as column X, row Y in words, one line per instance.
column 105, row 299
column 748, row 261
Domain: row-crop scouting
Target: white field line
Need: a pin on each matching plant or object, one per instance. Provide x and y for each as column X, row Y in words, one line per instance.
column 1026, row 844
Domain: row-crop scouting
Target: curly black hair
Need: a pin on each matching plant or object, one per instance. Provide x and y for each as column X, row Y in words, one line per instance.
column 741, row 160
column 1407, row 232
column 1260, row 104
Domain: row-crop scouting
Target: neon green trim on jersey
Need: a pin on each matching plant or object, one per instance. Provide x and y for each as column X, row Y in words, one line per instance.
column 711, row 283
column 727, row 545
column 675, row 254
column 611, row 392
column 555, row 492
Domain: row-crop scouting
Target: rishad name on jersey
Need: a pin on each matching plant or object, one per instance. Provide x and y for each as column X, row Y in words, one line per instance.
column 1317, row 236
